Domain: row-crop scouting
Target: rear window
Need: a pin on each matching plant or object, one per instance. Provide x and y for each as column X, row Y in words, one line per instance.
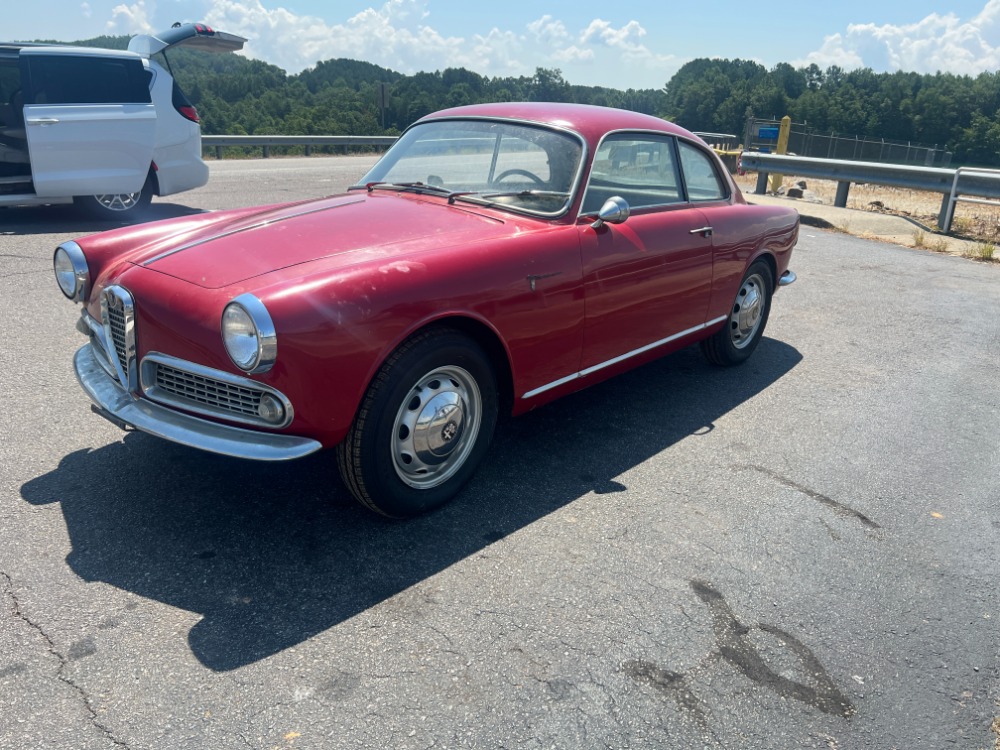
column 68, row 79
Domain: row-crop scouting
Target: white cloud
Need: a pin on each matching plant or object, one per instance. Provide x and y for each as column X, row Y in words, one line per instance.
column 132, row 19
column 401, row 35
column 936, row 43
column 86, row 10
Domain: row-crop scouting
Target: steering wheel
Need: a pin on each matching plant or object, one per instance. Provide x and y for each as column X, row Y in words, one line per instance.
column 518, row 173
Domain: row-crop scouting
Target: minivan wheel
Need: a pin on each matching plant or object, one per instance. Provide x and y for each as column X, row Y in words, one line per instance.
column 114, row 206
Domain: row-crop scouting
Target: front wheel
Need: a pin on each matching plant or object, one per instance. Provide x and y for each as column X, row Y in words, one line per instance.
column 744, row 328
column 424, row 425
column 116, row 206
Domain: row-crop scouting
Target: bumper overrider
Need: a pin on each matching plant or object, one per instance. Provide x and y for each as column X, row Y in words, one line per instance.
column 123, row 409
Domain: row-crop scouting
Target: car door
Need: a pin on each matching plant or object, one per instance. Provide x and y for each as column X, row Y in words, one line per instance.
column 647, row 281
column 89, row 120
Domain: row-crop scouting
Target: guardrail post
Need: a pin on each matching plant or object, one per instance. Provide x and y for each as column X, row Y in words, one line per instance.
column 781, row 148
column 218, row 152
column 944, row 218
column 309, row 150
column 267, row 151
column 761, row 188
column 841, row 199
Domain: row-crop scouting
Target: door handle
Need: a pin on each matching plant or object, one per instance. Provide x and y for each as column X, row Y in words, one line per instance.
column 703, row 231
column 42, row 121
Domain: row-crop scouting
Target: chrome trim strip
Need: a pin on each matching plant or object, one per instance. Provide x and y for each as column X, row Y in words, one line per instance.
column 231, row 232
column 180, row 428
column 147, row 377
column 788, row 277
column 634, row 353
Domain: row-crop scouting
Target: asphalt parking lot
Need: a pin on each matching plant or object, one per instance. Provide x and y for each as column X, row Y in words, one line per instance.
column 798, row 553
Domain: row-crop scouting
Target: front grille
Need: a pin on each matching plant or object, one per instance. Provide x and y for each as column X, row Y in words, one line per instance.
column 181, row 384
column 118, row 319
column 116, row 325
column 208, row 393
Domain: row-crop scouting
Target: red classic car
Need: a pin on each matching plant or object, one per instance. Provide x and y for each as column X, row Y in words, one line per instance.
column 496, row 258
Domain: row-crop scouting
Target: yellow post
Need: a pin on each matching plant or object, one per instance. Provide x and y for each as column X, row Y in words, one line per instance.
column 786, row 125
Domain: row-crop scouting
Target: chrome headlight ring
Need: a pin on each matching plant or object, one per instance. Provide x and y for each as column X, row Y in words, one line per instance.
column 248, row 334
column 72, row 273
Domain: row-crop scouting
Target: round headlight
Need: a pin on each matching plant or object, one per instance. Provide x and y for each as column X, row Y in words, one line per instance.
column 248, row 334
column 72, row 274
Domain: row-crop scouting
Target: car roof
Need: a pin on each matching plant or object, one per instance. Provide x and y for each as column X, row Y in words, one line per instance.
column 590, row 121
column 63, row 49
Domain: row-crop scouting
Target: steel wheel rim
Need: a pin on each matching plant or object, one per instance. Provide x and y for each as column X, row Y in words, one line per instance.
column 436, row 427
column 748, row 311
column 118, row 201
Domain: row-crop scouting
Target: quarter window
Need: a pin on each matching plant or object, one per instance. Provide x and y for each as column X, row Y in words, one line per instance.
column 700, row 176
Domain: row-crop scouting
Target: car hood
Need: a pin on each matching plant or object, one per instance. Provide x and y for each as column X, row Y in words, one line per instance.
column 342, row 230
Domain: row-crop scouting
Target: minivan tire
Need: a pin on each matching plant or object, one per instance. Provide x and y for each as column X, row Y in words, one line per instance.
column 117, row 206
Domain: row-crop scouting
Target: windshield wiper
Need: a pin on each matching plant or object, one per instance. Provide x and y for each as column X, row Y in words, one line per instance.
column 480, row 197
column 415, row 186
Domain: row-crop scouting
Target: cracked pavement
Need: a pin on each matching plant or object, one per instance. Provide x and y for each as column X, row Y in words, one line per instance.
column 800, row 553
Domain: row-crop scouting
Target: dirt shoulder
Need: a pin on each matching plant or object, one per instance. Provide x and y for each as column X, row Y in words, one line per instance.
column 904, row 217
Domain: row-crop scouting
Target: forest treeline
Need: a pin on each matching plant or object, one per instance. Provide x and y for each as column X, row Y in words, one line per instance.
column 235, row 95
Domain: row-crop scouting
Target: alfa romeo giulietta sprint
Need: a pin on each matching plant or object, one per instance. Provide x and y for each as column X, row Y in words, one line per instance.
column 497, row 257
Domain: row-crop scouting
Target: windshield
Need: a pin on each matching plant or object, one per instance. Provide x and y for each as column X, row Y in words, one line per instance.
column 521, row 167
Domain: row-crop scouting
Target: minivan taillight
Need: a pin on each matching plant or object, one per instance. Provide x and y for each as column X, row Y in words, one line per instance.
column 183, row 105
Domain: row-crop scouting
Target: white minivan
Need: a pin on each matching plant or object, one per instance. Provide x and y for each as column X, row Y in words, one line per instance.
column 106, row 129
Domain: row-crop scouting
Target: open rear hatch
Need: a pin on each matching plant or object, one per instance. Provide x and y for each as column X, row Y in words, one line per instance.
column 193, row 35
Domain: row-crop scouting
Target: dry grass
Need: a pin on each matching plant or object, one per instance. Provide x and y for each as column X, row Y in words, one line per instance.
column 972, row 221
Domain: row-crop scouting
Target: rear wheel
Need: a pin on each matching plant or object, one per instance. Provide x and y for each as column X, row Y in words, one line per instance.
column 737, row 339
column 112, row 206
column 424, row 425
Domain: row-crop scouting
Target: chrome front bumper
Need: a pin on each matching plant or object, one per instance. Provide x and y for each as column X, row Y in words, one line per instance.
column 119, row 407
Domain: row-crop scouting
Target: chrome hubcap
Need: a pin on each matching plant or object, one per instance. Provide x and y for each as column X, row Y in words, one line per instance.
column 118, row 201
column 436, row 427
column 748, row 310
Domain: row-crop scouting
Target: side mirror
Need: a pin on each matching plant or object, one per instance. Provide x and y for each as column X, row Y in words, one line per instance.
column 614, row 211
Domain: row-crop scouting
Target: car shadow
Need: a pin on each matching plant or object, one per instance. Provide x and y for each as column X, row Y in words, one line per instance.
column 65, row 217
column 272, row 554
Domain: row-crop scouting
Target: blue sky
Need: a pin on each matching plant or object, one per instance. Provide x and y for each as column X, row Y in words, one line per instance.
column 639, row 44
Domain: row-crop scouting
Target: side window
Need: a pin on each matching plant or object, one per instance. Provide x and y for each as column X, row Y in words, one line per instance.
column 68, row 79
column 10, row 93
column 639, row 168
column 700, row 176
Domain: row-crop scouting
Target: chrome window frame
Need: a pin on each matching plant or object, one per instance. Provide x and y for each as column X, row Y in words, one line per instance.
column 685, row 200
column 574, row 188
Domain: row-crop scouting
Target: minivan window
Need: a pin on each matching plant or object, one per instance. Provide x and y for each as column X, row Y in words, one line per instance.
column 68, row 79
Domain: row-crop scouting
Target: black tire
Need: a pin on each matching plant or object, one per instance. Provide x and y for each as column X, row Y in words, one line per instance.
column 739, row 336
column 118, row 206
column 424, row 425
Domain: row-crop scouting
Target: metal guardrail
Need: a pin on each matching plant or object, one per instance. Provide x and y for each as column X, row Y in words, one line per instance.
column 954, row 197
column 949, row 182
column 267, row 141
